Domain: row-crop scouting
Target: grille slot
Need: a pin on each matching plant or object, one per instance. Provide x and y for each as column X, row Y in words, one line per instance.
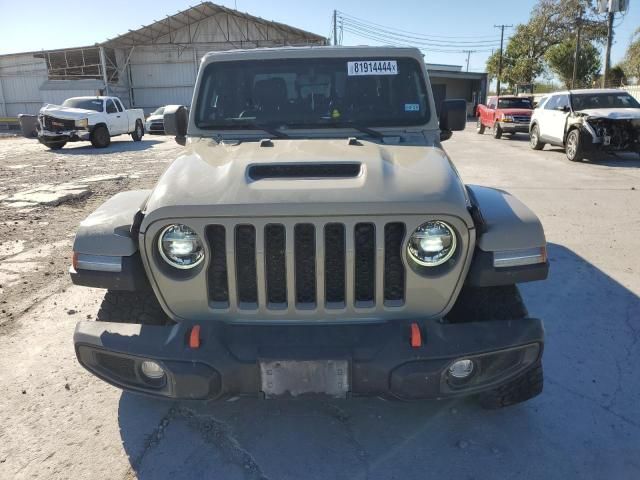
column 275, row 265
column 326, row 265
column 394, row 274
column 217, row 275
column 334, row 264
column 305, row 264
column 247, row 280
column 365, row 264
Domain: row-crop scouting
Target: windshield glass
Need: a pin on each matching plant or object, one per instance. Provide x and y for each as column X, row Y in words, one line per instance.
column 313, row 93
column 515, row 103
column 84, row 103
column 158, row 111
column 585, row 101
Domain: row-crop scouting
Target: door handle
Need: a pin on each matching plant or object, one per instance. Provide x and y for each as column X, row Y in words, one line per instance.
column 118, row 116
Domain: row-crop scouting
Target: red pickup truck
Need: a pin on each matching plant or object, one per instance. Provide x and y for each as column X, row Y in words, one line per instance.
column 505, row 114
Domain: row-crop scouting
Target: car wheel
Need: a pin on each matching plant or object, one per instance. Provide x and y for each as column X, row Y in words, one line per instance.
column 497, row 131
column 55, row 145
column 100, row 137
column 132, row 307
column 138, row 132
column 573, row 147
column 479, row 127
column 534, row 138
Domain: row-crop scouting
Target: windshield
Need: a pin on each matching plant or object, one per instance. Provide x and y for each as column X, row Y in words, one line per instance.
column 84, row 103
column 312, row 93
column 586, row 101
column 158, row 111
column 515, row 103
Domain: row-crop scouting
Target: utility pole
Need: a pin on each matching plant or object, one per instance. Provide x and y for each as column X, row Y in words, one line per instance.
column 501, row 27
column 468, row 52
column 607, row 55
column 577, row 52
column 335, row 27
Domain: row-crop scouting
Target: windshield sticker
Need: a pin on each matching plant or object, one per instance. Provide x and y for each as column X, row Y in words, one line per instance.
column 411, row 107
column 376, row 67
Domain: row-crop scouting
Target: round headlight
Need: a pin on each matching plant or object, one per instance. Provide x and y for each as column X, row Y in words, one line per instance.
column 432, row 244
column 180, row 247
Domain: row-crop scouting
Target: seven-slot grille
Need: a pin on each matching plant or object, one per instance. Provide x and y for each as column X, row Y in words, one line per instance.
column 306, row 266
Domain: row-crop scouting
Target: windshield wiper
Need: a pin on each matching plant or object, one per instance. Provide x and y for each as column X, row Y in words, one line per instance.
column 247, row 125
column 360, row 128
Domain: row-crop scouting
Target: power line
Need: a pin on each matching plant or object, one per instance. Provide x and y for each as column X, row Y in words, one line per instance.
column 434, row 37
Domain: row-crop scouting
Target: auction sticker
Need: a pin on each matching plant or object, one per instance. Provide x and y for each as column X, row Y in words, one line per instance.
column 372, row 67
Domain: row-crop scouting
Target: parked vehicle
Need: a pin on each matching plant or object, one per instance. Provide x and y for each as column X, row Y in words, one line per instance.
column 505, row 114
column 94, row 119
column 587, row 121
column 313, row 238
column 155, row 122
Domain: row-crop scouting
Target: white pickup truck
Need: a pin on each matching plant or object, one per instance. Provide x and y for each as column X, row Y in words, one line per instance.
column 96, row 119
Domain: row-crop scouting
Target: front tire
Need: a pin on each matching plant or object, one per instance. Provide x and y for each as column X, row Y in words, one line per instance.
column 100, row 137
column 132, row 307
column 573, row 147
column 479, row 127
column 520, row 389
column 534, row 138
column 497, row 131
column 138, row 132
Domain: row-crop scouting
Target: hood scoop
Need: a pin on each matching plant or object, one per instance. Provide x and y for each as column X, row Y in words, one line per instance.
column 304, row 170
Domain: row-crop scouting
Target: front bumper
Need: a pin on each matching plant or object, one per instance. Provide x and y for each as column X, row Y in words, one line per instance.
column 509, row 127
column 63, row 136
column 379, row 358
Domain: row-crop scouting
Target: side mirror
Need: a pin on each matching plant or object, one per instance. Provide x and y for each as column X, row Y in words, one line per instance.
column 176, row 119
column 453, row 117
column 564, row 109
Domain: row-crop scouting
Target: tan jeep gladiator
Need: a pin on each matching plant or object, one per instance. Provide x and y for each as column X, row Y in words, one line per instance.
column 313, row 239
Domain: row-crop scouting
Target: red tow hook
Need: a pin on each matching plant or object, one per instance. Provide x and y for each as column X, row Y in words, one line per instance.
column 194, row 337
column 416, row 336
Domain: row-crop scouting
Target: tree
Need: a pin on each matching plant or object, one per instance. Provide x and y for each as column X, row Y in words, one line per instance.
column 560, row 59
column 551, row 23
column 631, row 63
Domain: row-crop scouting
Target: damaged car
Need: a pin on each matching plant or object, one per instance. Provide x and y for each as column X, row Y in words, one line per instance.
column 584, row 122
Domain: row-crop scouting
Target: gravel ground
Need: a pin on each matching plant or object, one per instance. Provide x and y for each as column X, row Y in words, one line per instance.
column 57, row 421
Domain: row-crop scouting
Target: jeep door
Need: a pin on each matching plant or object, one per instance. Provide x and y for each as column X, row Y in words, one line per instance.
column 116, row 121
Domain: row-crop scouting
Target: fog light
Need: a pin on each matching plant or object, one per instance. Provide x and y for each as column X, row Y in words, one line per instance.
column 152, row 370
column 461, row 369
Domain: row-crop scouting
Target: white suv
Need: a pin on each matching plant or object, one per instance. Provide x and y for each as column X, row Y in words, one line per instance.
column 584, row 121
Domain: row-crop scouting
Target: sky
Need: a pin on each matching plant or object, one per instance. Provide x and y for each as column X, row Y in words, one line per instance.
column 40, row 24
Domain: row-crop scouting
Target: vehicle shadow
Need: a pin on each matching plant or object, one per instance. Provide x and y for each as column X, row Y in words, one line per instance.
column 584, row 425
column 623, row 159
column 116, row 146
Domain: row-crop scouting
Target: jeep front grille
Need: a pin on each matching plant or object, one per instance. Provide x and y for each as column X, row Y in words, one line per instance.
column 306, row 266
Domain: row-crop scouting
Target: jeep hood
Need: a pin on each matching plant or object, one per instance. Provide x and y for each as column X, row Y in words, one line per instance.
column 212, row 179
column 66, row 113
column 612, row 113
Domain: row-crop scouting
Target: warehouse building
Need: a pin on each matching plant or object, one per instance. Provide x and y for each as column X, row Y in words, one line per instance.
column 152, row 66
column 450, row 81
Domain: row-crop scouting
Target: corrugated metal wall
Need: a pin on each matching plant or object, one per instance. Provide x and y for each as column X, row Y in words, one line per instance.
column 20, row 80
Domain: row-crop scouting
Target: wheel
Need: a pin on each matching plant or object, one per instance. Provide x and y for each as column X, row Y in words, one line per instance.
column 100, row 137
column 55, row 145
column 497, row 131
column 479, row 127
column 573, row 147
column 534, row 138
column 138, row 132
column 522, row 388
column 132, row 307
column 478, row 304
